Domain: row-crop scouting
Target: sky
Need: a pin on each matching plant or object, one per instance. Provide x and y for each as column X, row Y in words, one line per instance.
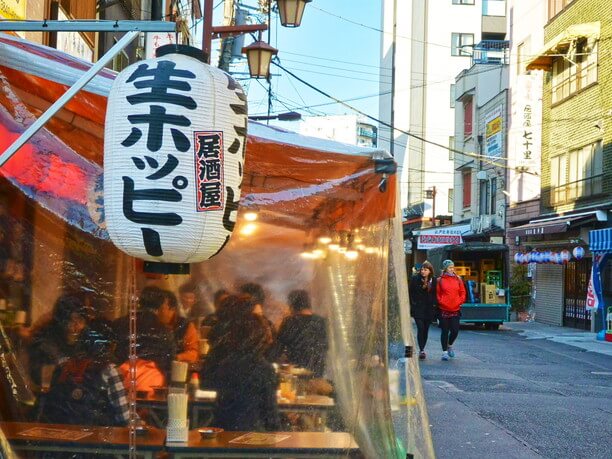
column 336, row 49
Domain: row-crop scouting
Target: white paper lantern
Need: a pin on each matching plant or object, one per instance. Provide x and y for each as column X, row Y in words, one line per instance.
column 565, row 256
column 174, row 149
column 578, row 253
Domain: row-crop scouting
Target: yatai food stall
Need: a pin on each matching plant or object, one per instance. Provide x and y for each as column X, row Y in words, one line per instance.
column 313, row 214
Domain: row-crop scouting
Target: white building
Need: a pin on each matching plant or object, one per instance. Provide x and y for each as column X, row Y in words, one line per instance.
column 425, row 45
column 481, row 127
column 351, row 129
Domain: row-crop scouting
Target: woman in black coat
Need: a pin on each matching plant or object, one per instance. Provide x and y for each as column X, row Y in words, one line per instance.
column 422, row 291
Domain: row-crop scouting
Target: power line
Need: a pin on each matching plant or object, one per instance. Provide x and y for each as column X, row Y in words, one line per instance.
column 483, row 158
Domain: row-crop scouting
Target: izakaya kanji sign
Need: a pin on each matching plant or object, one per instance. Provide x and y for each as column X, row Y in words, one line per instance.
column 173, row 155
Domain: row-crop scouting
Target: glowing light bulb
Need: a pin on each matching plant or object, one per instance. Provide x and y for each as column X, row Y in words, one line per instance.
column 248, row 229
column 250, row 216
column 325, row 239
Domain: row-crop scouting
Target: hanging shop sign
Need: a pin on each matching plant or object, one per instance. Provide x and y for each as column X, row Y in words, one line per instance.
column 440, row 236
column 174, row 149
column 72, row 43
column 494, row 132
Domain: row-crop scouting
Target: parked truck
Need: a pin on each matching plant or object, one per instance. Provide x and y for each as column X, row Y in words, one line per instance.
column 483, row 267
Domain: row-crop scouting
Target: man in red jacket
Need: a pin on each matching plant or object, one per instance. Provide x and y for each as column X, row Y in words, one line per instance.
column 451, row 294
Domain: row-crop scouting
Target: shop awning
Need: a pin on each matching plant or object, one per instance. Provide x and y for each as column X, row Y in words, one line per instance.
column 561, row 43
column 546, row 227
column 601, row 240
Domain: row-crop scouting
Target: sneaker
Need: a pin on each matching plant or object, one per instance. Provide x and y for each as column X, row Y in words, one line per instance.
column 422, row 355
column 445, row 355
column 451, row 353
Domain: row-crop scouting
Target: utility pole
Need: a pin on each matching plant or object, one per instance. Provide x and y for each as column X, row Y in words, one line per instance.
column 431, row 194
column 433, row 205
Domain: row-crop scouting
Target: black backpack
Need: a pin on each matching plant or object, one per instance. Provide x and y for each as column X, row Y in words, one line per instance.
column 78, row 395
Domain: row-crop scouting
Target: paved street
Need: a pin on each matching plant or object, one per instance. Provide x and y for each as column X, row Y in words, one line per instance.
column 520, row 392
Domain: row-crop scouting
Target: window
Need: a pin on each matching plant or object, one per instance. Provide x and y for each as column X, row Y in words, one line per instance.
column 467, row 117
column 585, row 168
column 451, row 147
column 451, row 201
column 452, row 95
column 558, row 166
column 493, row 206
column 555, row 6
column 522, row 55
column 575, row 72
column 461, row 44
column 483, row 208
column 577, row 174
column 467, row 188
column 463, row 2
column 120, row 61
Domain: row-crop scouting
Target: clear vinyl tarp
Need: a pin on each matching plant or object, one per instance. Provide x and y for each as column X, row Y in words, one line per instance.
column 66, row 291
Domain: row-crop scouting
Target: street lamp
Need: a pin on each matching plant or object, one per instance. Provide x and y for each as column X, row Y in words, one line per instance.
column 259, row 55
column 291, row 11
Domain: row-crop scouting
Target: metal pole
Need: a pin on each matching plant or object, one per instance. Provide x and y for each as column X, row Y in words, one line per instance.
column 59, row 103
column 268, row 76
column 433, row 206
column 207, row 33
column 87, row 26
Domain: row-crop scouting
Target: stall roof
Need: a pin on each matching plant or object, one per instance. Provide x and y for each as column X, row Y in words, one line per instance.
column 292, row 180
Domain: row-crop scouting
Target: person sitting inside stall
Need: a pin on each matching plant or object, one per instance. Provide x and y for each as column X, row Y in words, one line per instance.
column 56, row 341
column 191, row 307
column 87, row 389
column 246, row 383
column 186, row 337
column 302, row 337
column 155, row 345
column 211, row 319
column 258, row 297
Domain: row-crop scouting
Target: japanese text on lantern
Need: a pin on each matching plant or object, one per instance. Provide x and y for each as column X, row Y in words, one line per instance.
column 209, row 170
column 161, row 117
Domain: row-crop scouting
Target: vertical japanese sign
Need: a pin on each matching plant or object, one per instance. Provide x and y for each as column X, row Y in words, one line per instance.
column 526, row 137
column 72, row 42
column 174, row 150
column 154, row 40
column 494, row 132
column 13, row 9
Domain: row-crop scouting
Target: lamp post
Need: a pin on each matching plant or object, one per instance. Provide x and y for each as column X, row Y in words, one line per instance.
column 211, row 31
column 259, row 54
column 291, row 11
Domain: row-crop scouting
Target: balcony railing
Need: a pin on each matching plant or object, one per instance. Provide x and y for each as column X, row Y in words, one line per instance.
column 579, row 189
column 492, row 52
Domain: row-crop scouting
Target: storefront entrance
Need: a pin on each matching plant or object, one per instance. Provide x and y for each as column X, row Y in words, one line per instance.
column 576, row 278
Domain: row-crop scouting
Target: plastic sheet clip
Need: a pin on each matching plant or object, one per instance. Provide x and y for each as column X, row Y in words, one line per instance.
column 408, row 351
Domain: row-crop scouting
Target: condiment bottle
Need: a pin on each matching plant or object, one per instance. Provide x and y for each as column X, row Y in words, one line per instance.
column 194, row 383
